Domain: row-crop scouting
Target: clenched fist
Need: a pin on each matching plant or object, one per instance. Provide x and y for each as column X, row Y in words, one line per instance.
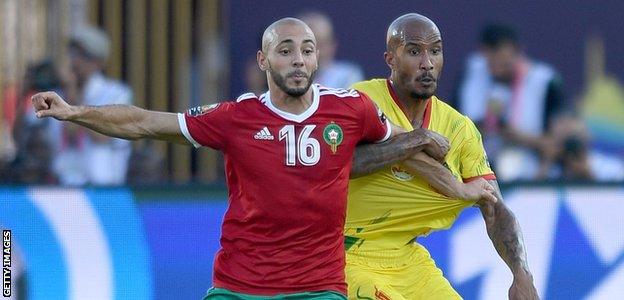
column 50, row 104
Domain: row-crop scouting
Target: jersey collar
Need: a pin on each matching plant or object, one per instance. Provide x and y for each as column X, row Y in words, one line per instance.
column 266, row 99
column 427, row 113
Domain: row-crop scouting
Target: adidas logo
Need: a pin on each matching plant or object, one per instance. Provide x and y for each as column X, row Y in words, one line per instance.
column 264, row 134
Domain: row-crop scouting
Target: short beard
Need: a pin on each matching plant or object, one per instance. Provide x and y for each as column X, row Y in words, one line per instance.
column 280, row 81
column 414, row 94
column 420, row 96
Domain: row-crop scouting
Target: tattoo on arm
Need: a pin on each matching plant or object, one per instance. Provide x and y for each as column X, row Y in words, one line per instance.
column 504, row 231
column 369, row 158
column 438, row 176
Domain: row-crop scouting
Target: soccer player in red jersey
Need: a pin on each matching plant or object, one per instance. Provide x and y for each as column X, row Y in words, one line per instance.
column 288, row 156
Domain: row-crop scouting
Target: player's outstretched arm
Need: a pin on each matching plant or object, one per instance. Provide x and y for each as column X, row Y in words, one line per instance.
column 370, row 158
column 440, row 178
column 121, row 121
column 504, row 231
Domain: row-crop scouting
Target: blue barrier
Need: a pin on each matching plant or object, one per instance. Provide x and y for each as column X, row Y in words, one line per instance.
column 164, row 249
column 77, row 244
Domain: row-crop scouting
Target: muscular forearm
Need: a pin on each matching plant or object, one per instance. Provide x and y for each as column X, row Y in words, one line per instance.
column 126, row 122
column 438, row 176
column 504, row 231
column 121, row 121
column 370, row 158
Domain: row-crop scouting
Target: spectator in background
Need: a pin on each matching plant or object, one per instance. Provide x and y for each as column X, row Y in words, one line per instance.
column 87, row 157
column 40, row 76
column 34, row 138
column 331, row 72
column 572, row 162
column 511, row 98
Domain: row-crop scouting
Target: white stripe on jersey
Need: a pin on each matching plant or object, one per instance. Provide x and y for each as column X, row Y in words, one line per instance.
column 262, row 98
column 185, row 131
column 246, row 96
column 341, row 93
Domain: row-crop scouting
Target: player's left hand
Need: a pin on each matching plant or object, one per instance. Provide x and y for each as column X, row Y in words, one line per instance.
column 438, row 146
column 522, row 288
column 479, row 190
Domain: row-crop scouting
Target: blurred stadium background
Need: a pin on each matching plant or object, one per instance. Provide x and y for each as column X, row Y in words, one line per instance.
column 153, row 234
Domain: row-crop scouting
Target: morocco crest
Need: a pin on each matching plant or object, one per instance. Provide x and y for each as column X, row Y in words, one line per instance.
column 332, row 134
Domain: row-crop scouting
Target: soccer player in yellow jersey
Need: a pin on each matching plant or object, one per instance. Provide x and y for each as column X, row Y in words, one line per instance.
column 390, row 208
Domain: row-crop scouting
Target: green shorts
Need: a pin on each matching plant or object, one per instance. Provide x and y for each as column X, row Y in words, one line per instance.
column 223, row 294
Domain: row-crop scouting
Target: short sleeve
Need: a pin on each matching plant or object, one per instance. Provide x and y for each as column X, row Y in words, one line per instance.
column 474, row 161
column 207, row 125
column 376, row 127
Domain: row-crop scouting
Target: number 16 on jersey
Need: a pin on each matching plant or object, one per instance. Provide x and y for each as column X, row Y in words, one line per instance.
column 305, row 149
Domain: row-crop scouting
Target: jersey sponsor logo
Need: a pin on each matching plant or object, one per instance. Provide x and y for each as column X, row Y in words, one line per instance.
column 264, row 134
column 202, row 110
column 333, row 136
column 401, row 174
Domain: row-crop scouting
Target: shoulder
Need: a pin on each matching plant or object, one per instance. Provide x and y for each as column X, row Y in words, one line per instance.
column 329, row 93
column 367, row 86
column 445, row 110
column 450, row 115
column 224, row 106
column 247, row 97
column 345, row 99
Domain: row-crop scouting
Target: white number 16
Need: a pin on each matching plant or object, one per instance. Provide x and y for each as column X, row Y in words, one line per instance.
column 307, row 149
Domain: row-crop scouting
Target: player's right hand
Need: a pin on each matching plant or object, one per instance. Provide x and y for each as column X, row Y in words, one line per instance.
column 438, row 146
column 479, row 190
column 50, row 104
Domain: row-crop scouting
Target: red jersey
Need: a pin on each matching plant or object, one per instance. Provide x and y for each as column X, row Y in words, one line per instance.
column 287, row 179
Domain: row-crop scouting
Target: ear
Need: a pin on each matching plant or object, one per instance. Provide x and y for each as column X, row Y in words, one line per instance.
column 389, row 58
column 263, row 63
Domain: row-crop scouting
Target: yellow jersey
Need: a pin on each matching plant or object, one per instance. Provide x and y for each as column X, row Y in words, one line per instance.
column 388, row 209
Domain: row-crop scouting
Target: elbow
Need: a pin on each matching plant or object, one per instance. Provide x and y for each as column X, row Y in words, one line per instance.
column 356, row 171
column 355, row 174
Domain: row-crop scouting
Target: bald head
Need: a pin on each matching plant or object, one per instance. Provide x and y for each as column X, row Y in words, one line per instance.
column 289, row 57
column 271, row 33
column 407, row 27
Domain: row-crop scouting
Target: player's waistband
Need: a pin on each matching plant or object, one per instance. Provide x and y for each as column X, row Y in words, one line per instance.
column 387, row 257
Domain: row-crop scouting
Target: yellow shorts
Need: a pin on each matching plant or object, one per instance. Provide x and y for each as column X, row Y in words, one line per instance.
column 408, row 275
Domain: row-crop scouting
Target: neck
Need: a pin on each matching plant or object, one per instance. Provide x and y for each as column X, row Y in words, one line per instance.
column 414, row 108
column 290, row 104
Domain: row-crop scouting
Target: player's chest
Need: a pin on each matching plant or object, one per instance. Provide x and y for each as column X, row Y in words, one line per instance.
column 317, row 142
